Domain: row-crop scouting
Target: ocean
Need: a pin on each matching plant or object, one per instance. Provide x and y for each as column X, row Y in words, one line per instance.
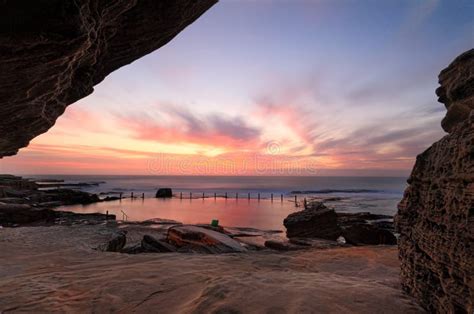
column 378, row 195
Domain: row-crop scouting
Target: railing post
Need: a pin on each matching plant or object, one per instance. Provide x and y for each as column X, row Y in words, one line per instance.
column 271, row 197
column 282, row 198
column 259, row 197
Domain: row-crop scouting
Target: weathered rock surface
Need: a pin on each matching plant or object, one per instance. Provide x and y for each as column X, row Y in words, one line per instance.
column 316, row 221
column 436, row 216
column 198, row 239
column 116, row 243
column 53, row 52
column 164, row 193
column 150, row 244
column 457, row 90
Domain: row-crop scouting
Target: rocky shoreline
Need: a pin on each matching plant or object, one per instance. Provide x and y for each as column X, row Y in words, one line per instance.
column 23, row 203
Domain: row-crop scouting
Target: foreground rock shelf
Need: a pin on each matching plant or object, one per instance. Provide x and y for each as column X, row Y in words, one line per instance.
column 71, row 275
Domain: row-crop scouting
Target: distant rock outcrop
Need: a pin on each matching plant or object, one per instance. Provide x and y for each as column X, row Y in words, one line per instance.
column 318, row 221
column 53, row 52
column 436, row 216
column 164, row 193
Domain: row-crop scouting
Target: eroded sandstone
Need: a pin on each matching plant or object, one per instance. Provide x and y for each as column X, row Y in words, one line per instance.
column 53, row 52
column 436, row 216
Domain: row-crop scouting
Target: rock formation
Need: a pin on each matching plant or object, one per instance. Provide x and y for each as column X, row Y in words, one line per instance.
column 436, row 216
column 53, row 52
column 164, row 193
column 191, row 238
column 318, row 221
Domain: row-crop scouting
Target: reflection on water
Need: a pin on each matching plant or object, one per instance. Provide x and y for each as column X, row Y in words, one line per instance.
column 263, row 214
column 230, row 212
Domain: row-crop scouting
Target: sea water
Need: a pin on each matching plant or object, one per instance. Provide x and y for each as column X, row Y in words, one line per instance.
column 378, row 195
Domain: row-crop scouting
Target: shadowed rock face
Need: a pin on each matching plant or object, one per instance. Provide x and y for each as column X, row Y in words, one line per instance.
column 436, row 216
column 52, row 53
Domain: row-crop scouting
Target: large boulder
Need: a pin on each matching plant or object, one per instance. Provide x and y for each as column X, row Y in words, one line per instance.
column 436, row 216
column 116, row 243
column 316, row 221
column 53, row 53
column 164, row 193
column 198, row 239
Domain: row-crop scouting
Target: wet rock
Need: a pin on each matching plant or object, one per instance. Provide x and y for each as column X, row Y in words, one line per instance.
column 164, row 193
column 435, row 219
column 316, row 221
column 150, row 244
column 197, row 239
column 366, row 234
column 116, row 243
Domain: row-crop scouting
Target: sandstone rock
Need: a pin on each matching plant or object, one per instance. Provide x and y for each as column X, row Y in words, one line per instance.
column 54, row 52
column 457, row 90
column 436, row 216
column 150, row 244
column 164, row 193
column 116, row 243
column 317, row 221
column 193, row 238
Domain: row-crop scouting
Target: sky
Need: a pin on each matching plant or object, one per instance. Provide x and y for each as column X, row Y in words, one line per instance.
column 269, row 88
